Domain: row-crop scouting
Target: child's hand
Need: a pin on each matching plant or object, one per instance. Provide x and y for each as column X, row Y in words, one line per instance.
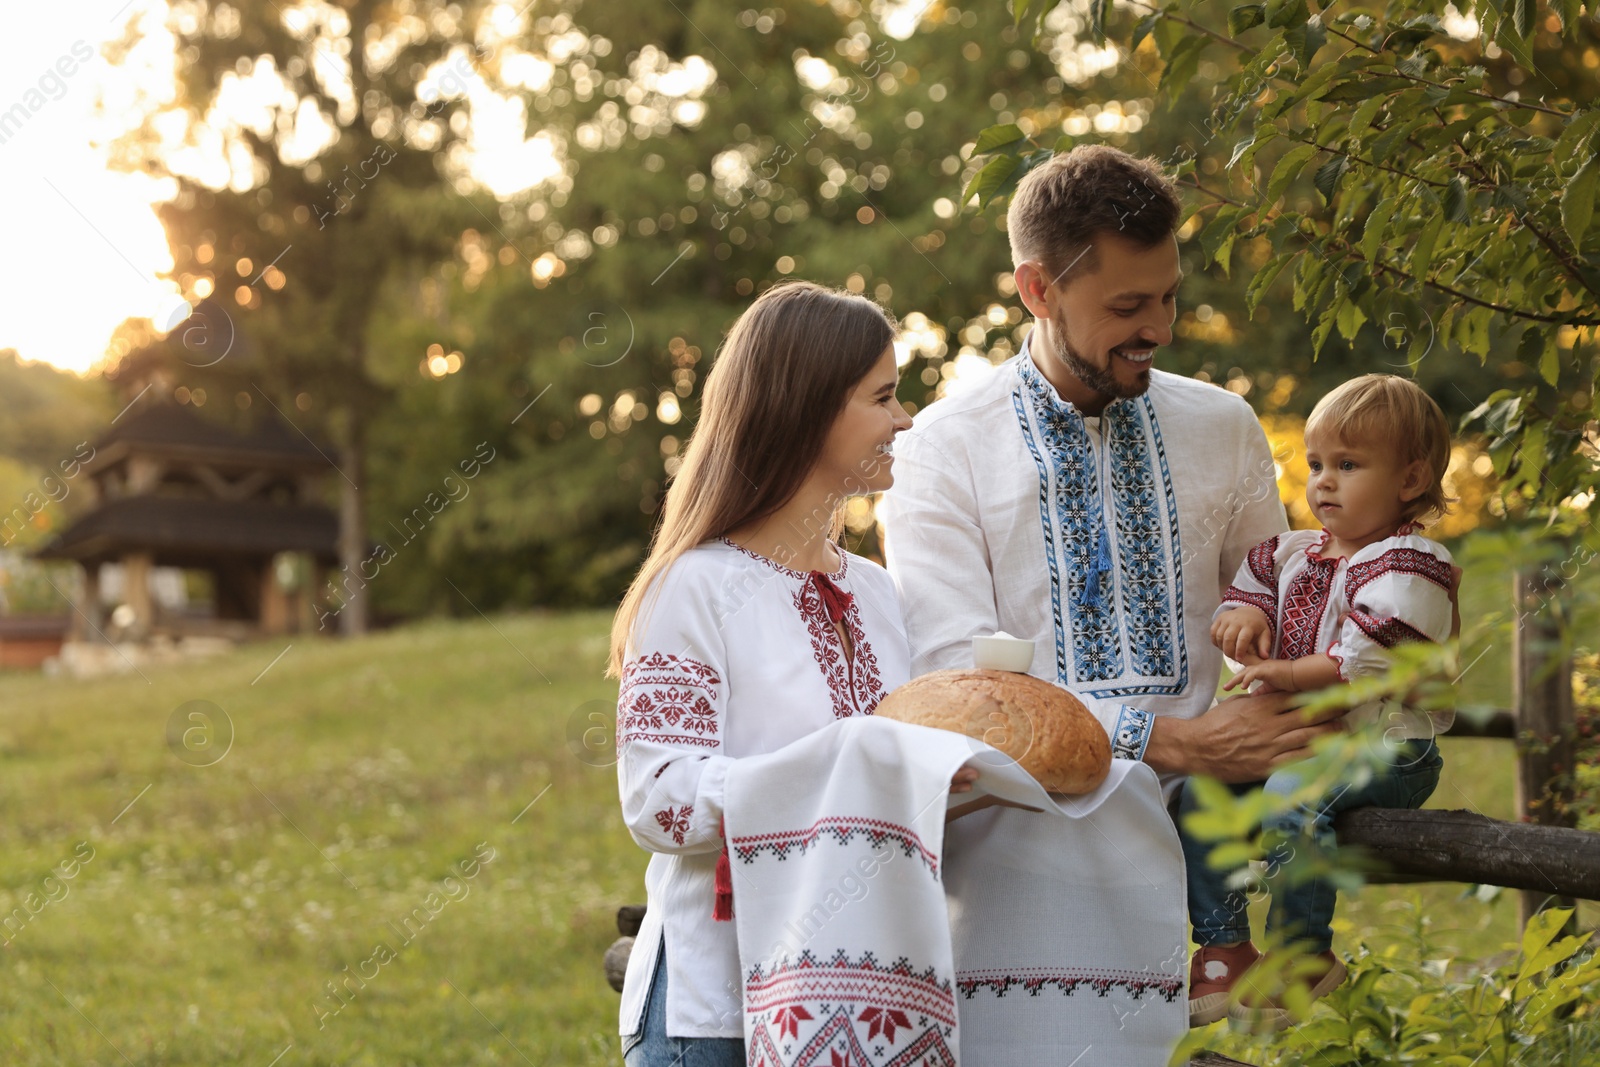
column 1276, row 673
column 1244, row 634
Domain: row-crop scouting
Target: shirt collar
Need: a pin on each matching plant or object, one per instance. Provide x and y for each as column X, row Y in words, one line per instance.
column 1043, row 395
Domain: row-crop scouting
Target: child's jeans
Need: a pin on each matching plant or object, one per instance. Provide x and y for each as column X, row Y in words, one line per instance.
column 1304, row 911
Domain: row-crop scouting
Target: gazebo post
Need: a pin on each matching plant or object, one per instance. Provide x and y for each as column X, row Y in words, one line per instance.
column 136, row 592
column 86, row 623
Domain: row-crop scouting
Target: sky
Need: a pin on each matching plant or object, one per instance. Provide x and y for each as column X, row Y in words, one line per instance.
column 80, row 246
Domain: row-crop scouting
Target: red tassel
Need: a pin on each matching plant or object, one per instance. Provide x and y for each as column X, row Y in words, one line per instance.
column 722, row 911
column 834, row 600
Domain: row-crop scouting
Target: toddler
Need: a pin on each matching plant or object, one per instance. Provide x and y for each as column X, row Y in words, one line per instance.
column 1314, row 608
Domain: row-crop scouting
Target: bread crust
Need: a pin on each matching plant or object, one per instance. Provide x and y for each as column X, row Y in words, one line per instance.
column 1041, row 726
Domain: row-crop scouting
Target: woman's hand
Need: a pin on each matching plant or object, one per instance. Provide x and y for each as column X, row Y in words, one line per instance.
column 963, row 779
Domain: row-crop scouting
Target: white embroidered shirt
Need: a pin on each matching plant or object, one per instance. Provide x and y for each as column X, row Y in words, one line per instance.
column 1106, row 540
column 734, row 655
column 1353, row 608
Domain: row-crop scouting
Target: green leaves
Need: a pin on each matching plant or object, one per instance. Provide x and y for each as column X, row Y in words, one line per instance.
column 1257, row 289
column 1413, row 33
column 1473, row 211
column 1216, row 240
column 1182, row 63
column 1244, row 17
column 1422, row 251
column 1577, row 201
column 1304, row 40
column 996, row 137
column 1523, row 14
column 1284, row 13
column 986, row 184
column 1287, row 170
column 1377, row 226
column 1328, row 175
column 1097, row 21
column 1011, row 163
column 1455, row 199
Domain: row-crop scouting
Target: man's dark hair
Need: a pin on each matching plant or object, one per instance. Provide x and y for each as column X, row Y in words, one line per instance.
column 1062, row 205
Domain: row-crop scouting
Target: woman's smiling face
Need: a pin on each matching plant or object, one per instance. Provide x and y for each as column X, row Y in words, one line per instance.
column 858, row 455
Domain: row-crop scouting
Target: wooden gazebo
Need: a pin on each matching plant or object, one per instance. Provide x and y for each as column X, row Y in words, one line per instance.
column 167, row 487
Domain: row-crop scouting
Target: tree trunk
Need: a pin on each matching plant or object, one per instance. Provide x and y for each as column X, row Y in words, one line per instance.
column 353, row 528
column 1542, row 697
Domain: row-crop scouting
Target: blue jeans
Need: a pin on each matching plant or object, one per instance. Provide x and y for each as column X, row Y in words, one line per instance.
column 1304, row 911
column 651, row 1047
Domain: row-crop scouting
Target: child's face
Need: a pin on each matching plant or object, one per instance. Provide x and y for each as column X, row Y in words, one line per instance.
column 1359, row 492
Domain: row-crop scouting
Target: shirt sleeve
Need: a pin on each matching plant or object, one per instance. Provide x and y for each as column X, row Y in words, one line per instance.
column 1257, row 513
column 672, row 719
column 1256, row 584
column 1397, row 594
column 937, row 556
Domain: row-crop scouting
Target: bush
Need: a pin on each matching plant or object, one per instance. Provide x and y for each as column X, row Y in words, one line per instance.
column 1538, row 1009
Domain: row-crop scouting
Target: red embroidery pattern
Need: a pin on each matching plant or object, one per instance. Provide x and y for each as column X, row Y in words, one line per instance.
column 676, row 822
column 1266, row 602
column 1034, row 980
column 1386, row 630
column 855, row 686
column 843, row 1013
column 669, row 699
column 842, row 829
column 1260, row 559
column 1305, row 603
column 801, row 576
column 1397, row 561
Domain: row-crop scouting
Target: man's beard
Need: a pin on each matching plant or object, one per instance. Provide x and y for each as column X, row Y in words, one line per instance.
column 1101, row 379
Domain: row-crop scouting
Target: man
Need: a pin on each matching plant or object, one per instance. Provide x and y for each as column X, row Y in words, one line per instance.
column 1086, row 501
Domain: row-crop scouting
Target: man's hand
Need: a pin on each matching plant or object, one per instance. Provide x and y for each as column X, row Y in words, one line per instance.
column 1243, row 634
column 1241, row 739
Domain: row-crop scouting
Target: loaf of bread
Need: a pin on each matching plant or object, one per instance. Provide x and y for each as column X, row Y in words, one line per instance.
column 1041, row 726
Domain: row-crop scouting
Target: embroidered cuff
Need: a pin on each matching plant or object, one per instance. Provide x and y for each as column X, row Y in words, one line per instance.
column 1338, row 663
column 1132, row 734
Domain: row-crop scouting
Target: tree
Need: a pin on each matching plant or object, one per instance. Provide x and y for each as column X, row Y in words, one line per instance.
column 1454, row 166
column 321, row 203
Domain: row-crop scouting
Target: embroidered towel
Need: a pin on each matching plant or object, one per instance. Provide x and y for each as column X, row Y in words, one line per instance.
column 1070, row 933
column 851, row 955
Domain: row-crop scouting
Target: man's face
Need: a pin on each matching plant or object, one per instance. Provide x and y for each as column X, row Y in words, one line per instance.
column 1105, row 325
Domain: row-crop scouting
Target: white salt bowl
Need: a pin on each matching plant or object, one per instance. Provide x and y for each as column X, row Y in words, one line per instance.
column 1002, row 652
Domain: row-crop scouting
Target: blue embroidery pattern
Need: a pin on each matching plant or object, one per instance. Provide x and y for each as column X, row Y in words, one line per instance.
column 1122, row 613
column 1132, row 733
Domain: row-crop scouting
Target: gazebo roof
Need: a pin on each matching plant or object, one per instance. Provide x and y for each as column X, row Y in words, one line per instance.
column 176, row 429
column 185, row 530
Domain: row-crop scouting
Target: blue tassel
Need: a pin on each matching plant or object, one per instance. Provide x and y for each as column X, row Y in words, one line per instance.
column 1099, row 567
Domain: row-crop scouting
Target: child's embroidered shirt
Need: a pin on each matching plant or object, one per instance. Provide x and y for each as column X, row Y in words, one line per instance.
column 1354, row 608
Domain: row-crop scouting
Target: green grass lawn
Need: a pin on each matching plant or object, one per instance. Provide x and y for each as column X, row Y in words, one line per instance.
column 221, row 900
column 218, row 907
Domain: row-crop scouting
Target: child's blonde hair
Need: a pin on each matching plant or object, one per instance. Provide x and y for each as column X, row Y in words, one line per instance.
column 1390, row 410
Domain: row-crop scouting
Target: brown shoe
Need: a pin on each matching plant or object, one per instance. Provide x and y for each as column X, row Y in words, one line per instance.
column 1213, row 972
column 1266, row 1014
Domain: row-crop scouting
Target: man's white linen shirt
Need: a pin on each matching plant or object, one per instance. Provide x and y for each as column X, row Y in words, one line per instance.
column 1106, row 540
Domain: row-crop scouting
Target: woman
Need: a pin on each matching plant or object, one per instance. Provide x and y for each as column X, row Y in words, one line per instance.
column 747, row 628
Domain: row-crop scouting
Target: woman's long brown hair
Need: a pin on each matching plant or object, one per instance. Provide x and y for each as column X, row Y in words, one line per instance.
column 785, row 372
